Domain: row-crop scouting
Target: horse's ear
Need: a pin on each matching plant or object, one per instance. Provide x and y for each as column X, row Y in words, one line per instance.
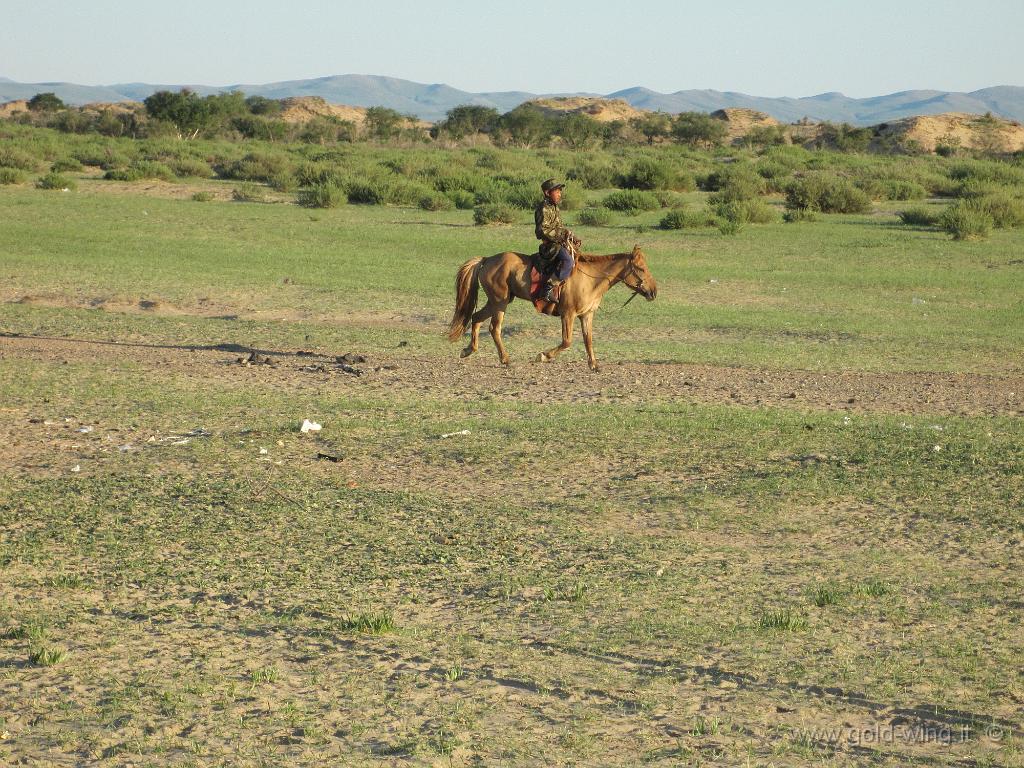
column 636, row 249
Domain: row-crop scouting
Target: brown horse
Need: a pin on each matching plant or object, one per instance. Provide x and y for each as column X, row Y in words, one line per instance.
column 506, row 276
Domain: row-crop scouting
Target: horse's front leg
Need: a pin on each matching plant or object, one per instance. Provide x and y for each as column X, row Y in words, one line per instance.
column 497, row 317
column 551, row 354
column 587, row 329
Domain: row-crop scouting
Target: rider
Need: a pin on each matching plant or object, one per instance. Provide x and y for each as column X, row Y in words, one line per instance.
column 554, row 237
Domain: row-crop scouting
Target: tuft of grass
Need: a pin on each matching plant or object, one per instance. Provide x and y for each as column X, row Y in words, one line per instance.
column 202, row 197
column 248, row 193
column 874, row 588
column 47, row 656
column 454, row 672
column 66, row 581
column 56, row 181
column 264, row 675
column 785, row 620
column 826, row 594
column 376, row 623
column 966, row 221
column 918, row 216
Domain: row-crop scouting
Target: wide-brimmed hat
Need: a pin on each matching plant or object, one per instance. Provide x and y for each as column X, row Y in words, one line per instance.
column 549, row 185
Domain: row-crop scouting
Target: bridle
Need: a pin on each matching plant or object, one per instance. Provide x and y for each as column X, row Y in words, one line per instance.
column 632, row 271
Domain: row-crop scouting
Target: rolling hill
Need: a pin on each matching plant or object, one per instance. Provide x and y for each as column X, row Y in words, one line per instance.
column 432, row 101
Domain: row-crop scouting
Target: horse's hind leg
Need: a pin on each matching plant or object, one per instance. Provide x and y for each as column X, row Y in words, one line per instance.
column 474, row 334
column 497, row 317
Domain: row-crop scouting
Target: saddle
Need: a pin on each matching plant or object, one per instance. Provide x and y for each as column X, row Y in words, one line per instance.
column 540, row 269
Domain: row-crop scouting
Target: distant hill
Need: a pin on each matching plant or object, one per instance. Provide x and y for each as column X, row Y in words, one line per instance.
column 431, row 102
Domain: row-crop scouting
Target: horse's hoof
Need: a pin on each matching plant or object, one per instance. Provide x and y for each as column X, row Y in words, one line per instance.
column 542, row 358
column 466, row 352
column 595, row 368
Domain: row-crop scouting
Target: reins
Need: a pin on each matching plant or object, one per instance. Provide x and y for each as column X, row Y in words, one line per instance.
column 632, row 269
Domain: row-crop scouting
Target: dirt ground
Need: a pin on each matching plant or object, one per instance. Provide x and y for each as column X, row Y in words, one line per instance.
column 562, row 381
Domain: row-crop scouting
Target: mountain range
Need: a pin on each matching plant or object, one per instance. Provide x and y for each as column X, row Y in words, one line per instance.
column 431, row 102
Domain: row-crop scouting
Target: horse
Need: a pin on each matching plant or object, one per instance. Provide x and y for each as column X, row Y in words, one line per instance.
column 506, row 276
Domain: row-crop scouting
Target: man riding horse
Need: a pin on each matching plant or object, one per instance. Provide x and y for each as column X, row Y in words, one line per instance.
column 556, row 260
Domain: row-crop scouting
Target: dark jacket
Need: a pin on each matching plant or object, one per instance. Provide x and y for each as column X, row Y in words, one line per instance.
column 549, row 230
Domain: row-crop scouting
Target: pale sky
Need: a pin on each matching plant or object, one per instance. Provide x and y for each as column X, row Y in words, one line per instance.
column 786, row 48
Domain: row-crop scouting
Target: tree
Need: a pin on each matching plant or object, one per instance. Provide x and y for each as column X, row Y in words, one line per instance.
column 188, row 113
column 578, row 130
column 383, row 123
column 699, row 129
column 653, row 125
column 526, row 126
column 45, row 102
column 468, row 119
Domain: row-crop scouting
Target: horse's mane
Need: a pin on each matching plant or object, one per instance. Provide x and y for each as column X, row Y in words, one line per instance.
column 593, row 258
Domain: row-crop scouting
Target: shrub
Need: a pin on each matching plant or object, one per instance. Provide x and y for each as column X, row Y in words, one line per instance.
column 965, row 221
column 681, row 219
column 827, row 193
column 631, row 201
column 282, row 181
column 1006, row 210
column 592, row 175
column 735, row 182
column 463, row 199
column 12, row 157
column 919, row 216
column 66, row 164
column 435, row 201
column 897, row 189
column 248, row 193
column 256, row 166
column 730, row 226
column 141, row 169
column 366, row 193
column 595, row 217
column 745, row 211
column 55, row 181
column 202, row 197
column 322, row 195
column 493, row 213
column 185, row 167
column 11, row 176
column 646, row 173
column 795, row 215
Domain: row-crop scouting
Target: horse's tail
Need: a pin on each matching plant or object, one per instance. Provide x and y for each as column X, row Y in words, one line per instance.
column 467, row 285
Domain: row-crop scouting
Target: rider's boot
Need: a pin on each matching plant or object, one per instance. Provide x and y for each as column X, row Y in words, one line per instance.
column 553, row 283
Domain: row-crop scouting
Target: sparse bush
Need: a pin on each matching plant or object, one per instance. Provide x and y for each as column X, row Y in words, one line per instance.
column 631, row 201
column 1006, row 210
column 66, row 165
column 919, row 216
column 202, row 197
column 796, row 215
column 734, row 182
column 744, row 211
column 141, row 169
column 463, row 199
column 248, row 193
column 965, row 221
column 594, row 217
column 282, row 181
column 682, row 219
column 322, row 195
column 896, row 189
column 367, row 193
column 190, row 167
column 435, row 201
column 11, row 176
column 12, row 157
column 730, row 226
column 56, row 181
column 493, row 213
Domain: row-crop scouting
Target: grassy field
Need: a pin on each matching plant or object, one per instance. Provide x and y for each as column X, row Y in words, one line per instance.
column 782, row 527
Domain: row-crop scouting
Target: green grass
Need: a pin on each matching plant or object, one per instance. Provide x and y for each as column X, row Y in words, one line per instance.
column 568, row 582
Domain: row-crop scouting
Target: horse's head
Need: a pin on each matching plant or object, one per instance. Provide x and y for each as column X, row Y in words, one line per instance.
column 638, row 277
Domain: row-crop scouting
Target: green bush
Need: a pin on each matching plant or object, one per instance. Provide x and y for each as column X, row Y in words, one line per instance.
column 56, row 181
column 256, row 166
column 493, row 213
column 592, row 175
column 248, row 193
column 190, row 167
column 631, row 201
column 919, row 216
column 682, row 219
column 745, row 211
column 646, row 173
column 202, row 197
column 965, row 221
column 896, row 189
column 987, row 170
column 141, row 169
column 322, row 195
column 795, row 215
column 12, row 157
column 594, row 217
column 282, row 181
column 67, row 165
column 730, row 226
column 825, row 192
column 435, row 201
column 11, row 176
column 463, row 199
column 367, row 193
column 1005, row 209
